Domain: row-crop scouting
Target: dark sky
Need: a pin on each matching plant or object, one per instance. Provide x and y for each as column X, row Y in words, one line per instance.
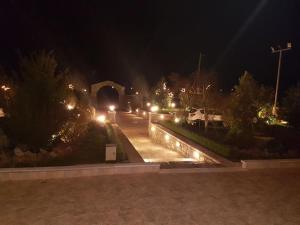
column 119, row 40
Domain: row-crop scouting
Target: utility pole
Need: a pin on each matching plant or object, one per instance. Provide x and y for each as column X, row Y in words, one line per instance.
column 196, row 83
column 278, row 50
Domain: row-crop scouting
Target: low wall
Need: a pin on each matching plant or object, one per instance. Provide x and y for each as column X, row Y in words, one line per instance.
column 76, row 171
column 155, row 117
column 187, row 148
column 270, row 163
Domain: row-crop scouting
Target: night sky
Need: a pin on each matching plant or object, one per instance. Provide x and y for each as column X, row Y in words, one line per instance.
column 119, row 40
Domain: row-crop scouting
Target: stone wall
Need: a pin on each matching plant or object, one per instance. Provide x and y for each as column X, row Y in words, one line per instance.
column 174, row 142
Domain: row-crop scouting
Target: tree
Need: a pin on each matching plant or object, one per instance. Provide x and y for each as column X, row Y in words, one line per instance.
column 161, row 94
column 38, row 108
column 244, row 104
column 291, row 106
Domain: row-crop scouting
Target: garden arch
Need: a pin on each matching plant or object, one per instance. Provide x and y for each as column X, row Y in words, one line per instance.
column 119, row 88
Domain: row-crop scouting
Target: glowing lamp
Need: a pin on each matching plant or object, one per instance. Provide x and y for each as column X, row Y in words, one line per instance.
column 153, row 129
column 111, row 108
column 70, row 106
column 101, row 118
column 148, row 104
column 173, row 105
column 167, row 137
column 154, row 108
column 161, row 117
column 177, row 120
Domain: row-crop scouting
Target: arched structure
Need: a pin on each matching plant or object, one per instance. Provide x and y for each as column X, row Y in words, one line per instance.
column 119, row 88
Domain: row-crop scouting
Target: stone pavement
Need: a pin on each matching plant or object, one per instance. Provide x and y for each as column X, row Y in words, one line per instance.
column 262, row 197
column 136, row 130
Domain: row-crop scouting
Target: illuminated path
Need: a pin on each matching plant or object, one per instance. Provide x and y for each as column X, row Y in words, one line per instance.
column 136, row 130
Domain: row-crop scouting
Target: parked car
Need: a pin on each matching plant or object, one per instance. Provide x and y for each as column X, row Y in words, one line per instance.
column 197, row 114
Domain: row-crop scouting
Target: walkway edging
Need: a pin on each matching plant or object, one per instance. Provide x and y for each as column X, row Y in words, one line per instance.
column 76, row 171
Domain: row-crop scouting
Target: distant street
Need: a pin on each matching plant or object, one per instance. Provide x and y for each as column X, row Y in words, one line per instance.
column 136, row 129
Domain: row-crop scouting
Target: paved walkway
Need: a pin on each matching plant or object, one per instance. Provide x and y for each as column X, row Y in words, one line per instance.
column 269, row 197
column 136, row 129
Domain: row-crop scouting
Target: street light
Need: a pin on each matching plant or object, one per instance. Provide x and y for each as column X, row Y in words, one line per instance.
column 280, row 50
column 153, row 108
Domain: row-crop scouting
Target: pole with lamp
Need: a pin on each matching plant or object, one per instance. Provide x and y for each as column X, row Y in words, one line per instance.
column 278, row 50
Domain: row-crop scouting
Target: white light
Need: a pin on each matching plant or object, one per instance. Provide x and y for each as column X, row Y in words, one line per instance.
column 71, row 86
column 70, row 106
column 161, row 117
column 148, row 104
column 153, row 129
column 78, row 115
column 173, row 105
column 84, row 90
column 154, row 108
column 136, row 92
column 130, row 111
column 176, row 120
column 5, row 88
column 196, row 155
column 177, row 144
column 137, row 110
column 284, row 122
column 144, row 113
column 167, row 137
column 101, row 118
column 112, row 108
column 164, row 86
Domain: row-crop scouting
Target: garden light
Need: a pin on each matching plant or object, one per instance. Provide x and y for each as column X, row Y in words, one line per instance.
column 101, row 118
column 196, row 155
column 70, row 106
column 112, row 108
column 5, row 88
column 154, row 108
column 71, row 86
column 173, row 105
column 167, row 137
column 177, row 120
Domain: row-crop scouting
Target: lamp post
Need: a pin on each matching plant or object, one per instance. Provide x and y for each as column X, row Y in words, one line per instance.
column 204, row 104
column 278, row 50
column 153, row 108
